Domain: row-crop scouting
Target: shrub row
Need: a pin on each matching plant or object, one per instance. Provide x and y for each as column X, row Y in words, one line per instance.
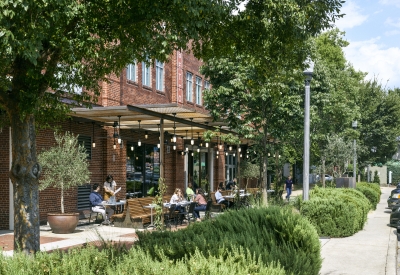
column 273, row 234
column 135, row 261
column 336, row 212
column 371, row 191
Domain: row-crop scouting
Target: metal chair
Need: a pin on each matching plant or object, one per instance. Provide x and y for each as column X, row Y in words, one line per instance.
column 170, row 216
column 189, row 213
column 90, row 215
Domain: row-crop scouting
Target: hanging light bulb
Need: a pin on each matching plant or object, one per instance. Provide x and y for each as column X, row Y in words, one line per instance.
column 139, row 143
column 247, row 156
column 217, row 152
column 191, row 126
column 187, row 147
column 230, row 147
column 240, row 149
column 206, row 144
column 146, row 134
column 94, row 143
column 158, row 144
column 119, row 129
column 234, row 154
column 216, row 156
column 114, row 146
column 241, row 155
column 174, row 137
column 132, row 148
column 174, row 147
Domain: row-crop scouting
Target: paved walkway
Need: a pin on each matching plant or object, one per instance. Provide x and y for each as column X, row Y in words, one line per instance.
column 373, row 250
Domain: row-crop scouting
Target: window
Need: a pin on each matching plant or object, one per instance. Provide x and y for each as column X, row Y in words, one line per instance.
column 189, row 87
column 198, row 90
column 146, row 74
column 159, row 75
column 131, row 72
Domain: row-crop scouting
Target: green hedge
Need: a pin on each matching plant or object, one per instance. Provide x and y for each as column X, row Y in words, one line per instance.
column 274, row 234
column 335, row 212
column 113, row 261
column 371, row 191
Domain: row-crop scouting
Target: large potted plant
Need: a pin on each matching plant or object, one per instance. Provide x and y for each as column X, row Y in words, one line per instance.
column 64, row 166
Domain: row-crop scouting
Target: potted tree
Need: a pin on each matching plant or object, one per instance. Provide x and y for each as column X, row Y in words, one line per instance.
column 64, row 166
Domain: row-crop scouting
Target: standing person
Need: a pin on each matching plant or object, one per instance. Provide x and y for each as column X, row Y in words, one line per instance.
column 109, row 188
column 96, row 200
column 201, row 203
column 288, row 187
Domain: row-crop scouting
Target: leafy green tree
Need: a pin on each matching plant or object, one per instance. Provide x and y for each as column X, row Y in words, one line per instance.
column 54, row 49
column 64, row 165
column 379, row 123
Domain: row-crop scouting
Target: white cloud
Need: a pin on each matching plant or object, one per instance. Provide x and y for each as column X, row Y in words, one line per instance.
column 352, row 17
column 393, row 22
column 392, row 33
column 376, row 60
column 390, row 2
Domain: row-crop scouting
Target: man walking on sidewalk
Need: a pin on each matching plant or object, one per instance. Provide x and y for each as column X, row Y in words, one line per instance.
column 288, row 187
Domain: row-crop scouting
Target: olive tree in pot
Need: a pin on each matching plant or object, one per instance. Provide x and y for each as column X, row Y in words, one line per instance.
column 64, row 166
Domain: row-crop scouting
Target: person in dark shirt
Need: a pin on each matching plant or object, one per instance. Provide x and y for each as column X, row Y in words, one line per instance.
column 231, row 185
column 288, row 187
column 96, row 200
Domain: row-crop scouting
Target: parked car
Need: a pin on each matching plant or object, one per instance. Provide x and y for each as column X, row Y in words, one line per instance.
column 395, row 218
column 327, row 177
column 394, row 200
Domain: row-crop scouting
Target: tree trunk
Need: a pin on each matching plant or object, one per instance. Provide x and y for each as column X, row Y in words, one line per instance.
column 62, row 198
column 24, row 174
column 265, row 166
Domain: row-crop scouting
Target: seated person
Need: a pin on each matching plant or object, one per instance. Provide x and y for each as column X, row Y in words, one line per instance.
column 189, row 191
column 201, row 203
column 221, row 186
column 220, row 199
column 231, row 185
column 96, row 200
column 176, row 198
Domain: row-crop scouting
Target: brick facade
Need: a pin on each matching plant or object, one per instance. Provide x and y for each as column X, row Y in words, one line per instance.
column 105, row 160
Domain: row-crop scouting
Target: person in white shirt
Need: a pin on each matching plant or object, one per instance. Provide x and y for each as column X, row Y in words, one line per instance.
column 220, row 199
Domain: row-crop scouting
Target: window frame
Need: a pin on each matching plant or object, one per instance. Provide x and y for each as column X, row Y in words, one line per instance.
column 131, row 67
column 146, row 74
column 189, row 87
column 198, row 90
column 159, row 76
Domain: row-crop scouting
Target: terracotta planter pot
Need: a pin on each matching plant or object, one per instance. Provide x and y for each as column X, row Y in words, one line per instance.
column 63, row 223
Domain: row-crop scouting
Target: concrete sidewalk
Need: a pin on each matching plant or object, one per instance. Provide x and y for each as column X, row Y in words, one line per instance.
column 372, row 250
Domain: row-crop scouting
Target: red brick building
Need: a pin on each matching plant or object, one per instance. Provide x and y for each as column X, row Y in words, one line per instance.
column 144, row 107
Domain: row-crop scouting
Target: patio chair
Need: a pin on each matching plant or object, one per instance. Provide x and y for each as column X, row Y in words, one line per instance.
column 94, row 213
column 170, row 216
column 189, row 213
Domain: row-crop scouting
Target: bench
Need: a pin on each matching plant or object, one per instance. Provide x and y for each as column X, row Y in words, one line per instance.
column 216, row 206
column 135, row 215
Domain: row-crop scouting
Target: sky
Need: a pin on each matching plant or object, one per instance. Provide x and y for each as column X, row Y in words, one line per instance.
column 372, row 27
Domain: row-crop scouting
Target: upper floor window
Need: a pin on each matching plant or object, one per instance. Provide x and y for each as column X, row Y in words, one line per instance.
column 159, row 75
column 146, row 73
column 189, row 87
column 131, row 72
column 198, row 90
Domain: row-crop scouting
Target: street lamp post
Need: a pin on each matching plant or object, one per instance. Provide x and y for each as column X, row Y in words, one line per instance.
column 354, row 125
column 308, row 73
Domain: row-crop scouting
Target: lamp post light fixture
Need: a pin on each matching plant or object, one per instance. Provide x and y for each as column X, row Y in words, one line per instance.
column 308, row 73
column 354, row 125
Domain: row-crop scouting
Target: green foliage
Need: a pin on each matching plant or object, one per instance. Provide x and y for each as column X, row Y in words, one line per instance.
column 274, row 234
column 158, row 200
column 335, row 212
column 394, row 166
column 111, row 260
column 376, row 178
column 133, row 185
column 64, row 165
column 371, row 191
